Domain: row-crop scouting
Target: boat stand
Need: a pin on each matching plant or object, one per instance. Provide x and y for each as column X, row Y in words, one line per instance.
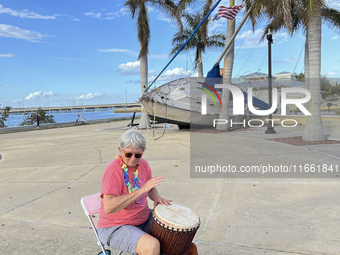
column 131, row 124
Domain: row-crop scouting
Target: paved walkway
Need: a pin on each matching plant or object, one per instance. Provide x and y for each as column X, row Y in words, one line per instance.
column 44, row 173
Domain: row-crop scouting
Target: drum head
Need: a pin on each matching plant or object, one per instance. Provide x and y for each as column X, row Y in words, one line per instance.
column 177, row 216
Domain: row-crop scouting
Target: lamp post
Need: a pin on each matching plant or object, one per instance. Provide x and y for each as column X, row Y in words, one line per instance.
column 270, row 127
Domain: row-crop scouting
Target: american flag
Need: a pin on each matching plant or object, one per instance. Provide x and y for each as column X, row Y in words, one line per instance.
column 227, row 12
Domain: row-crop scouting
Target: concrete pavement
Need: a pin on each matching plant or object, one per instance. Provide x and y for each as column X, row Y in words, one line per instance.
column 44, row 173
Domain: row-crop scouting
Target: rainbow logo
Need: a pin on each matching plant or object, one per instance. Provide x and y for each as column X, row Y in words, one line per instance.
column 209, row 93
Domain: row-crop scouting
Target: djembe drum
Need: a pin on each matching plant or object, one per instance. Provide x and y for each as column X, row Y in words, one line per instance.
column 174, row 226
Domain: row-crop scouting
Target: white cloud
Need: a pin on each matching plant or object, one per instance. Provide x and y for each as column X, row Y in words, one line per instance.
column 130, row 72
column 6, row 85
column 286, row 60
column 87, row 96
column 129, row 66
column 134, row 81
column 23, row 14
column 108, row 15
column 167, row 19
column 130, row 52
column 124, row 11
column 7, row 55
column 132, row 68
column 16, row 100
column 39, row 94
column 335, row 37
column 174, row 74
column 251, row 40
column 133, row 53
column 330, row 73
column 113, row 15
column 93, row 14
column 18, row 33
column 280, row 37
column 68, row 16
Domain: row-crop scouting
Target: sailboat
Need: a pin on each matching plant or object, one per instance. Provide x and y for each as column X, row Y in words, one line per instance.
column 180, row 101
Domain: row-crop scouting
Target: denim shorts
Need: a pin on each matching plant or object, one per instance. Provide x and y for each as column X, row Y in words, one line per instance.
column 125, row 237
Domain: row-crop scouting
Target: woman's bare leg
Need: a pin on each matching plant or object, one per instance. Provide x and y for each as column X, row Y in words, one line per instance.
column 148, row 245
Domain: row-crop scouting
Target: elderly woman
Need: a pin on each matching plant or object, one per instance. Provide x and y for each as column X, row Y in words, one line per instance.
column 124, row 218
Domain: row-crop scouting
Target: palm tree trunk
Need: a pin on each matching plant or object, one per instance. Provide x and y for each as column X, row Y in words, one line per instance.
column 228, row 71
column 200, row 65
column 314, row 129
column 308, row 104
column 144, row 119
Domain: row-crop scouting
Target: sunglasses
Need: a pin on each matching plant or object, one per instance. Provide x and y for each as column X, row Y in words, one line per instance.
column 129, row 155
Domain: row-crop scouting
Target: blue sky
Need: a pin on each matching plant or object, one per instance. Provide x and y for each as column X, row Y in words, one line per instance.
column 60, row 53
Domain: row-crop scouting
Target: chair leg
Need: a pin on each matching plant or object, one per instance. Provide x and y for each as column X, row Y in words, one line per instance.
column 192, row 249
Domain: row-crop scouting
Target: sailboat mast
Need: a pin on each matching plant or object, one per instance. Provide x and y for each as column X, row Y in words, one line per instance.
column 233, row 37
column 185, row 43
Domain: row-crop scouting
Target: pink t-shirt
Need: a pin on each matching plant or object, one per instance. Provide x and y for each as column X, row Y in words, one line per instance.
column 113, row 184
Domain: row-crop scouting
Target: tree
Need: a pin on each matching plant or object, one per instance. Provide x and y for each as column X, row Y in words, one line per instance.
column 199, row 42
column 326, row 87
column 138, row 8
column 315, row 11
column 4, row 115
column 299, row 77
column 308, row 14
column 31, row 119
column 335, row 91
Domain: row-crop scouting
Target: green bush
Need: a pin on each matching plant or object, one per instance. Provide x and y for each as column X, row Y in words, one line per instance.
column 32, row 118
column 4, row 115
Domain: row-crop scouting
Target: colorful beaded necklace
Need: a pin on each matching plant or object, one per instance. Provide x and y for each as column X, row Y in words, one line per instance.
column 126, row 175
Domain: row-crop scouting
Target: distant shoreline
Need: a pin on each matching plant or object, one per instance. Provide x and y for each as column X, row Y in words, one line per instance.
column 61, row 124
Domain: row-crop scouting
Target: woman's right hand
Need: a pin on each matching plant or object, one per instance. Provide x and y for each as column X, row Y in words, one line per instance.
column 150, row 184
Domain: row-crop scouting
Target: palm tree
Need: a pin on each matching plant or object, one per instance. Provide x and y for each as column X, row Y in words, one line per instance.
column 314, row 129
column 138, row 8
column 199, row 42
column 228, row 72
column 308, row 15
column 316, row 10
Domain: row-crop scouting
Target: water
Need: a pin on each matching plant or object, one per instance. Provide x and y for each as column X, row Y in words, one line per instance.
column 15, row 120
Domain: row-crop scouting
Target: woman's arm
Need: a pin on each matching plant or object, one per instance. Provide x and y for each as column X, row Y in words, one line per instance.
column 114, row 203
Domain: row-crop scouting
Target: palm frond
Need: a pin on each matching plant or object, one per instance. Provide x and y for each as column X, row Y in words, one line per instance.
column 311, row 6
column 287, row 14
column 182, row 4
column 169, row 8
column 256, row 10
column 331, row 16
column 204, row 28
column 199, row 41
column 133, row 7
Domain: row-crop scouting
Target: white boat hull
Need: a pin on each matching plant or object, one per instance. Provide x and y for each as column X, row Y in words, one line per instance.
column 164, row 113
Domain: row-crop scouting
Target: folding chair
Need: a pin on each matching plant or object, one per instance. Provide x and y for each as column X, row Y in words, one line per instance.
column 91, row 205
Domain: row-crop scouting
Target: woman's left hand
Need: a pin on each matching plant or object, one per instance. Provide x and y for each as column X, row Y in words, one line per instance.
column 160, row 200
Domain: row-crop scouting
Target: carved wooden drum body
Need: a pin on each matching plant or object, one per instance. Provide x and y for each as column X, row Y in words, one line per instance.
column 174, row 226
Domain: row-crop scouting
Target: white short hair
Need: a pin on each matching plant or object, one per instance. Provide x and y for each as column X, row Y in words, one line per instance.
column 132, row 137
